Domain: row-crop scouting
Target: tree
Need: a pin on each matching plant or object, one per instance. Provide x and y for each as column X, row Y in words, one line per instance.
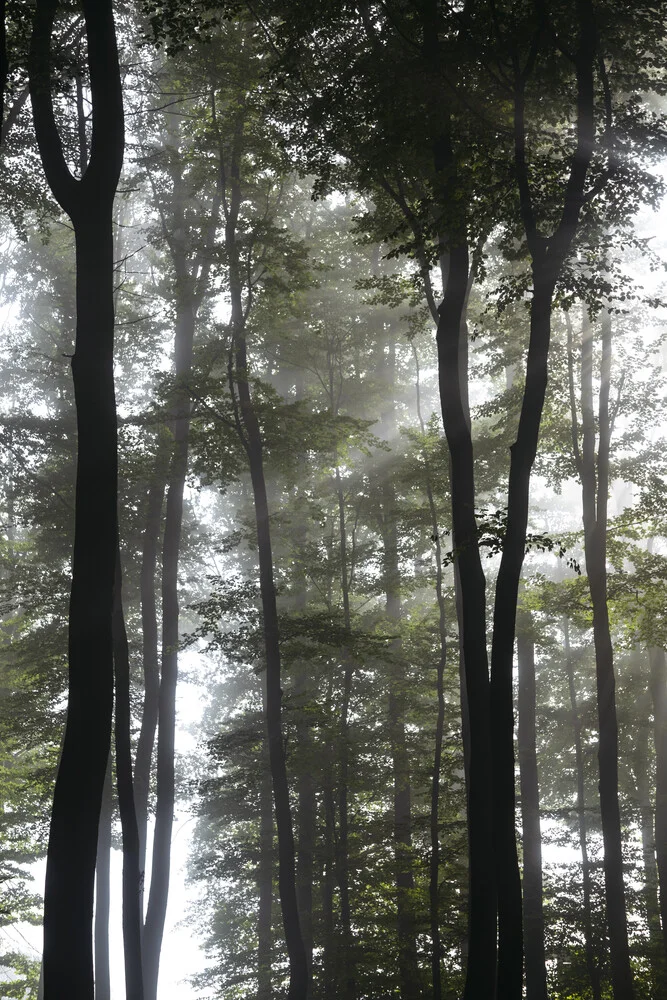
column 68, row 960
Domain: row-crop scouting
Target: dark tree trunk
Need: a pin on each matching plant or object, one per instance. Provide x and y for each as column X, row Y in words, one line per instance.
column 650, row 889
column 592, row 964
column 434, row 861
column 299, row 977
column 329, row 966
column 347, row 957
column 408, row 966
column 533, row 911
column 658, row 682
column 251, row 438
column 151, row 669
column 132, row 915
column 103, row 893
column 164, row 811
column 265, row 873
column 481, row 964
column 547, row 257
column 595, row 488
column 70, row 875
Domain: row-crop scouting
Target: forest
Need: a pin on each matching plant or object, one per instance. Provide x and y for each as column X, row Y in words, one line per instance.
column 333, row 500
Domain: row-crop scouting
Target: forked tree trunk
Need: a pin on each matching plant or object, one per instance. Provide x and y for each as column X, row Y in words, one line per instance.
column 533, row 910
column 72, row 851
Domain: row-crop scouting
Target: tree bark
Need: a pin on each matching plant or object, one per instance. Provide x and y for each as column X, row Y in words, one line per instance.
column 592, row 964
column 533, row 911
column 434, row 861
column 70, row 875
column 103, row 893
column 595, row 488
column 481, row 964
column 150, row 659
column 132, row 915
column 265, row 872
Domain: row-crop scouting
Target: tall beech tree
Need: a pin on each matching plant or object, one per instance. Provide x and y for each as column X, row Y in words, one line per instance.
column 88, row 201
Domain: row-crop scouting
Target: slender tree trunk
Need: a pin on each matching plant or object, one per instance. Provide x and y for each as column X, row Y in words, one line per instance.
column 329, row 958
column 132, row 915
column 592, row 964
column 251, row 438
column 347, row 956
column 650, row 889
column 265, row 873
column 533, row 912
column 408, row 966
column 151, row 669
column 595, row 487
column 658, row 683
column 72, row 851
column 103, row 893
column 481, row 964
column 434, row 864
column 164, row 811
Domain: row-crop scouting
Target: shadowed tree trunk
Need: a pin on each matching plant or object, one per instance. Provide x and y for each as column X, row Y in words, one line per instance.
column 164, row 811
column 434, row 864
column 132, row 915
column 595, row 488
column 150, row 659
column 265, row 871
column 191, row 273
column 547, row 257
column 70, row 874
column 533, row 912
column 248, row 428
column 592, row 964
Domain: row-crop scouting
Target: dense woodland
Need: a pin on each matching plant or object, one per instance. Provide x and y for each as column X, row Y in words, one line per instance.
column 333, row 505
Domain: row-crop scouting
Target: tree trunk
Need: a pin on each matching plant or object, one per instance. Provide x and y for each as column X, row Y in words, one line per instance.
column 151, row 669
column 72, row 851
column 434, row 864
column 595, row 487
column 265, row 873
column 533, row 912
column 592, row 964
column 347, row 957
column 250, row 434
column 481, row 964
column 650, row 889
column 103, row 893
column 132, row 915
column 658, row 682
column 164, row 810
